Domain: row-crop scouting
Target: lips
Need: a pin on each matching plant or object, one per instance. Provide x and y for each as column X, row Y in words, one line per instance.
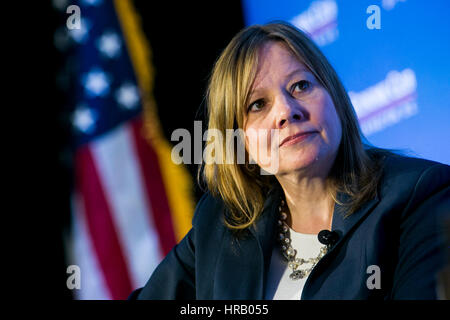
column 296, row 137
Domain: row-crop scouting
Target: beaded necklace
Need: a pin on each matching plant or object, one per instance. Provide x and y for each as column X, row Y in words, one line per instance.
column 290, row 253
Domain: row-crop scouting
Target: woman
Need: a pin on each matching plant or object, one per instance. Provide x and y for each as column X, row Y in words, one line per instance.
column 333, row 219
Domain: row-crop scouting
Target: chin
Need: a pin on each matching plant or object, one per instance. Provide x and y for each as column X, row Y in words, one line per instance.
column 298, row 164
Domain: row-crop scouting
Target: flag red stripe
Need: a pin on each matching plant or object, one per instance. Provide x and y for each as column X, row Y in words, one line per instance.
column 154, row 187
column 100, row 225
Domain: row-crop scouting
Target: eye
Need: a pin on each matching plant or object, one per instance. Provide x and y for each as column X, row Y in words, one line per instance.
column 301, row 86
column 256, row 106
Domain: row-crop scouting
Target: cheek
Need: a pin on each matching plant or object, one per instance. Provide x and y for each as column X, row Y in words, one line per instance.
column 254, row 139
column 335, row 125
column 329, row 119
column 260, row 143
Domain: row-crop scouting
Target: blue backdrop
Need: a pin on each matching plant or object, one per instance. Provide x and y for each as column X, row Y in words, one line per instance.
column 397, row 75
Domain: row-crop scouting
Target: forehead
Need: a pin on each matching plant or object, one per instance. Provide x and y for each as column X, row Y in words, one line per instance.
column 275, row 50
column 276, row 59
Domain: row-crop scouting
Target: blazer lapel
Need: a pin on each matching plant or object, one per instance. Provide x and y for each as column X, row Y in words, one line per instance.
column 243, row 263
column 344, row 226
column 265, row 231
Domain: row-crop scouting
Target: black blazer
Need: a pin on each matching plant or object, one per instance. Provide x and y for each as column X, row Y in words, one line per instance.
column 399, row 231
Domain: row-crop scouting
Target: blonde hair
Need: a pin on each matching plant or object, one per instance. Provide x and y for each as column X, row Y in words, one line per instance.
column 356, row 170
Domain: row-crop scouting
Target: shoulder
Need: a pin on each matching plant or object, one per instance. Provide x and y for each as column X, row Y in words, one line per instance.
column 408, row 182
column 208, row 212
column 410, row 165
column 410, row 172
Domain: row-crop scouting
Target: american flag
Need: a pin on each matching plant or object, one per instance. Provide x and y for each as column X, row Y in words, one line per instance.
column 131, row 203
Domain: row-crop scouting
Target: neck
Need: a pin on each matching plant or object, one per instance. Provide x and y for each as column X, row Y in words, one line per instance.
column 310, row 203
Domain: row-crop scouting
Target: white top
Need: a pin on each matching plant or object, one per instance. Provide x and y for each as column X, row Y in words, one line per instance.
column 279, row 285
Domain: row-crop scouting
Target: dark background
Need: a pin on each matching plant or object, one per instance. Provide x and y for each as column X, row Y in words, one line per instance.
column 185, row 38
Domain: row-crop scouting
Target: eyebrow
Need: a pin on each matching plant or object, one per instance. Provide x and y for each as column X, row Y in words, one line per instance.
column 289, row 75
column 298, row 70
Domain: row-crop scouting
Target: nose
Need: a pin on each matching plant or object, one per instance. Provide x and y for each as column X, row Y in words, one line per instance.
column 287, row 111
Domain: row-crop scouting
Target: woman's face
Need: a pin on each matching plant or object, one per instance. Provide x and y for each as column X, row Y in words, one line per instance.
column 291, row 118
